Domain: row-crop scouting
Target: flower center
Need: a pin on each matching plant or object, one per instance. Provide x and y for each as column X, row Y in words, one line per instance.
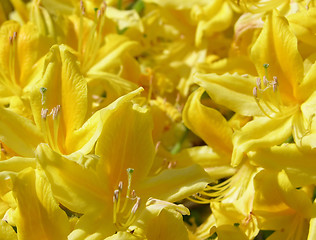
column 50, row 122
column 125, row 207
column 268, row 98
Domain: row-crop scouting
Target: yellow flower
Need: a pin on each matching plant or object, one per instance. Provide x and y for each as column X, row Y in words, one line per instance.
column 281, row 207
column 60, row 110
column 43, row 219
column 111, row 198
column 284, row 95
column 20, row 54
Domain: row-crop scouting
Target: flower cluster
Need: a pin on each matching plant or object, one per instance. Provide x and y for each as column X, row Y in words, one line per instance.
column 120, row 118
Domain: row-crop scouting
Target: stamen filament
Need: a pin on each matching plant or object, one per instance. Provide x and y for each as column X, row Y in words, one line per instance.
column 261, row 108
column 129, row 179
column 56, row 118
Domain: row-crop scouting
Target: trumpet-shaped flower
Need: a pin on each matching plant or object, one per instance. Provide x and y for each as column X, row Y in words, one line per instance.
column 23, row 47
column 283, row 94
column 109, row 197
column 281, row 207
column 60, row 110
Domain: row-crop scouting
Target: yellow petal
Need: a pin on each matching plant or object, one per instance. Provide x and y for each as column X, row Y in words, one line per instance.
column 84, row 138
column 259, row 133
column 229, row 214
column 31, row 47
column 162, row 220
column 285, row 63
column 228, row 232
column 110, row 54
column 178, row 4
column 302, row 23
column 109, row 85
column 17, row 164
column 78, row 188
column 216, row 165
column 217, row 18
column 297, row 164
column 167, row 225
column 124, row 235
column 126, row 142
column 295, row 198
column 19, row 133
column 7, row 232
column 65, row 86
column 43, row 219
column 236, row 92
column 312, row 229
column 95, row 225
column 207, row 123
column 181, row 183
column 308, row 85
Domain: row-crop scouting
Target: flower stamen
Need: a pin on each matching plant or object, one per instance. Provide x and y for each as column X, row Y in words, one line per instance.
column 124, row 216
column 269, row 95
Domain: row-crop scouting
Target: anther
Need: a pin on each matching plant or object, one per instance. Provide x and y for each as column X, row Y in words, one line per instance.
column 254, row 92
column 259, row 83
column 44, row 113
column 55, row 111
column 133, row 195
column 157, row 146
column 120, row 186
column 172, row 164
column 275, row 83
column 265, row 81
column 136, row 206
column 116, row 195
column 82, row 8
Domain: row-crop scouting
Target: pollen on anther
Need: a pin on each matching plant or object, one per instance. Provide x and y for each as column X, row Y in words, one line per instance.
column 136, row 205
column 44, row 113
column 255, row 92
column 265, row 81
column 115, row 195
column 259, row 83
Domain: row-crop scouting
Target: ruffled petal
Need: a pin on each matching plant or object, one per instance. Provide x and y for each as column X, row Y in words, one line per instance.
column 84, row 138
column 76, row 187
column 236, row 92
column 43, row 219
column 285, row 63
column 259, row 133
column 207, row 123
column 299, row 166
column 295, row 198
column 19, row 133
column 7, row 232
column 96, row 225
